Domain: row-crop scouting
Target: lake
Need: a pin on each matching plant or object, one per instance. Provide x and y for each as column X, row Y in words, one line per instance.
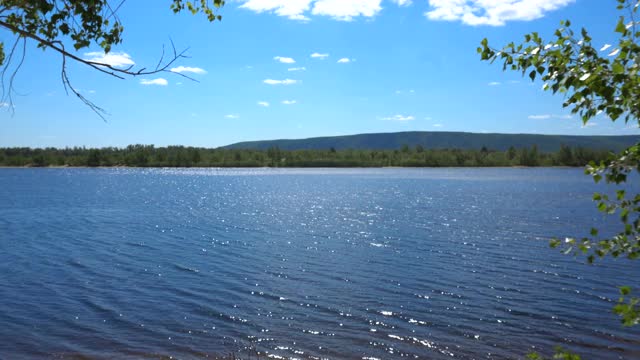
column 308, row 264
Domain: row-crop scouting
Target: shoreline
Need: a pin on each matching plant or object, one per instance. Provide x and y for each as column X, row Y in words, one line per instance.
column 291, row 167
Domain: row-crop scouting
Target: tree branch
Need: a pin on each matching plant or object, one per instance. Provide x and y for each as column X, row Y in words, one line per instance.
column 102, row 67
column 108, row 69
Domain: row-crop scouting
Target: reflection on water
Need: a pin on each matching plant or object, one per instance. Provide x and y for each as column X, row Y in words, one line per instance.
column 307, row 264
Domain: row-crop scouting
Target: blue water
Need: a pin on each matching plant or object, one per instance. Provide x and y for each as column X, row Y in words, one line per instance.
column 308, row 264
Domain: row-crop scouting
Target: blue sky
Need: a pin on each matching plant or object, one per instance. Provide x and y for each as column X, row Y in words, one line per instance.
column 302, row 68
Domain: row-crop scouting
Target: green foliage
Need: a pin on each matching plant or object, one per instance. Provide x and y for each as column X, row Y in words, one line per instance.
column 628, row 309
column 80, row 22
column 449, row 140
column 205, row 6
column 592, row 84
column 560, row 354
column 179, row 156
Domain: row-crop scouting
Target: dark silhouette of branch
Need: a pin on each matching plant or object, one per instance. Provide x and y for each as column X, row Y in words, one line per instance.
column 58, row 46
column 7, row 96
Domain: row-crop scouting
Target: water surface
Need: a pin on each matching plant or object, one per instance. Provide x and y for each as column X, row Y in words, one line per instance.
column 308, row 264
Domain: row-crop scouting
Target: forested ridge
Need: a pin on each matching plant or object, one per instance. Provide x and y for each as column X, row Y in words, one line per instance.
column 405, row 156
column 445, row 140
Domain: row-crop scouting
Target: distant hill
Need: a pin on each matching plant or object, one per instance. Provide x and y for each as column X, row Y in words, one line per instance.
column 444, row 140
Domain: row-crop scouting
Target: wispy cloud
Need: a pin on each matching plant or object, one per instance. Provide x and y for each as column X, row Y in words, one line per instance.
column 297, row 68
column 346, row 10
column 549, row 116
column 411, row 91
column 494, row 83
column 232, row 116
column 115, row 59
column 399, row 118
column 494, row 13
column 589, row 124
column 289, row 102
column 344, row 61
column 4, row 104
column 343, row 10
column 438, row 125
column 158, row 81
column 540, row 117
column 187, row 69
column 284, row 60
column 319, row 56
column 280, row 82
column 402, row 2
column 263, row 103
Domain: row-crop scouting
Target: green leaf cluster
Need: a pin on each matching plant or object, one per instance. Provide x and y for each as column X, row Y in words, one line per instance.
column 594, row 80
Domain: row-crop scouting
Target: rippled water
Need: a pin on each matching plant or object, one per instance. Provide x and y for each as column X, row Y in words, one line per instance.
column 347, row 264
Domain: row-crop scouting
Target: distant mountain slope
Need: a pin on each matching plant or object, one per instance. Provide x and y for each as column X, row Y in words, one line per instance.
column 442, row 140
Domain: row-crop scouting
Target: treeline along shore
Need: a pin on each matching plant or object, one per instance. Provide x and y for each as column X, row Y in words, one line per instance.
column 405, row 156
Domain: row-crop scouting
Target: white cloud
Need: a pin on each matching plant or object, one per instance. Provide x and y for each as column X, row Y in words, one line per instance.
column 115, row 59
column 263, row 103
column 344, row 10
column 494, row 13
column 4, row 104
column 284, row 60
column 158, row 81
column 399, row 118
column 232, row 116
column 590, row 124
column 494, row 83
column 289, row 102
column 187, row 69
column 539, row 117
column 319, row 56
column 549, row 116
column 344, row 61
column 297, row 68
column 280, row 82
column 293, row 9
column 438, row 125
column 402, row 2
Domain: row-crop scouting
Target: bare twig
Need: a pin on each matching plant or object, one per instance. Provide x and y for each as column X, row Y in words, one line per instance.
column 102, row 67
column 58, row 46
column 7, row 95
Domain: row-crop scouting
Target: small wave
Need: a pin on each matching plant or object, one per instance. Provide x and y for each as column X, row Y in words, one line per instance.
column 186, row 268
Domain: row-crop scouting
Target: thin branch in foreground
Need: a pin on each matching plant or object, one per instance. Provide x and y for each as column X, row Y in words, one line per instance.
column 105, row 68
